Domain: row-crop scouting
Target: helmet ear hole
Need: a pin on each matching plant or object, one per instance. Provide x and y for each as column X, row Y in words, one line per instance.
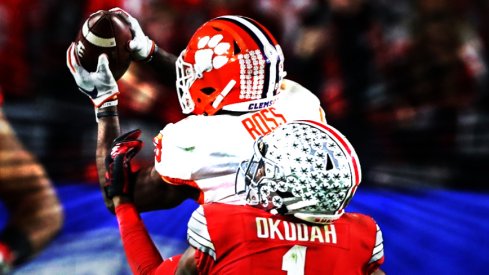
column 284, row 195
column 262, row 147
column 329, row 163
column 208, row 90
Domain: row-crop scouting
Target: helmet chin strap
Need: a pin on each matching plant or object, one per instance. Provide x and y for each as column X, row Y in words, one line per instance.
column 294, row 205
column 308, row 217
column 319, row 218
column 223, row 93
column 300, row 204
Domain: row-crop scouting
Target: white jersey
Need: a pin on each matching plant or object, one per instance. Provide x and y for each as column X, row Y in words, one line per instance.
column 205, row 151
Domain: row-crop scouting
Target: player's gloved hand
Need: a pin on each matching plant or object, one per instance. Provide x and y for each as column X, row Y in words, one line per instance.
column 141, row 46
column 100, row 86
column 118, row 178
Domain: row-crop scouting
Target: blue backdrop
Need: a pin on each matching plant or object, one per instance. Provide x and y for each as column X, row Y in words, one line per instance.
column 425, row 232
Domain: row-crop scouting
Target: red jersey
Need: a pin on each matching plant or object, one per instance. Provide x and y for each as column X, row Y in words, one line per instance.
column 232, row 239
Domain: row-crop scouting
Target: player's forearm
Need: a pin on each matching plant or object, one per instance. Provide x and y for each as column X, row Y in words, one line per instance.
column 141, row 253
column 163, row 64
column 152, row 193
column 108, row 130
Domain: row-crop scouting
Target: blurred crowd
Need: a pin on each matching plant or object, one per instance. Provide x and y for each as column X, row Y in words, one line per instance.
column 406, row 81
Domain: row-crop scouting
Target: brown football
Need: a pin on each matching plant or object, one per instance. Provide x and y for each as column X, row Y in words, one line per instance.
column 105, row 32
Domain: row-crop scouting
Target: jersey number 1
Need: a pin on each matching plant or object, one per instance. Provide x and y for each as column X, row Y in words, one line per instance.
column 294, row 260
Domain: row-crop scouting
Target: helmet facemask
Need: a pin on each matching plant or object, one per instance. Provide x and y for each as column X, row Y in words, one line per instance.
column 259, row 174
column 185, row 78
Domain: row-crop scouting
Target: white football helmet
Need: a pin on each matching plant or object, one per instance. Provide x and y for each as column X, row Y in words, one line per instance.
column 303, row 168
column 231, row 63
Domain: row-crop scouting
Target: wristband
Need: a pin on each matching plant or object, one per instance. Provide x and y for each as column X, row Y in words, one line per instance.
column 18, row 243
column 154, row 50
column 106, row 114
column 109, row 104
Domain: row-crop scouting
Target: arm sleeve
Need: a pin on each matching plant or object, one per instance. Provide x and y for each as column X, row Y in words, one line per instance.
column 141, row 253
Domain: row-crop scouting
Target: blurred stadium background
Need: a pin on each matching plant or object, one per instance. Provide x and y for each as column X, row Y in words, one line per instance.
column 406, row 81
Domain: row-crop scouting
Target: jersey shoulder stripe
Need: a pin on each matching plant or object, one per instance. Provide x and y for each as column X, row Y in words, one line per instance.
column 378, row 251
column 198, row 234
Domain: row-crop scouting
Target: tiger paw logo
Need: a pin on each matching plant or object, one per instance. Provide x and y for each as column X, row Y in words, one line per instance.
column 211, row 54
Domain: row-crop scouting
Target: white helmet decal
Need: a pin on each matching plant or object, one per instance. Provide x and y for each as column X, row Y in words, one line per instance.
column 304, row 169
column 211, row 54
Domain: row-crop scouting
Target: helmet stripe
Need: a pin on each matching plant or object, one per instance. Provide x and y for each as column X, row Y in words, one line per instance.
column 266, row 48
column 261, row 28
column 272, row 41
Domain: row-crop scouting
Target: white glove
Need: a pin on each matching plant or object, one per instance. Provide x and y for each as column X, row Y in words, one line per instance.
column 100, row 86
column 141, row 46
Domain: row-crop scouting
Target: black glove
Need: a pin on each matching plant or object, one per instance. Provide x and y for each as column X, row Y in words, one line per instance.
column 118, row 176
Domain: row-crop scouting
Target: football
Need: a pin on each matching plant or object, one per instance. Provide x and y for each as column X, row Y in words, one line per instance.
column 105, row 32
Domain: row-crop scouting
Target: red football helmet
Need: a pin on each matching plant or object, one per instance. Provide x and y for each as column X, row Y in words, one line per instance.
column 231, row 63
